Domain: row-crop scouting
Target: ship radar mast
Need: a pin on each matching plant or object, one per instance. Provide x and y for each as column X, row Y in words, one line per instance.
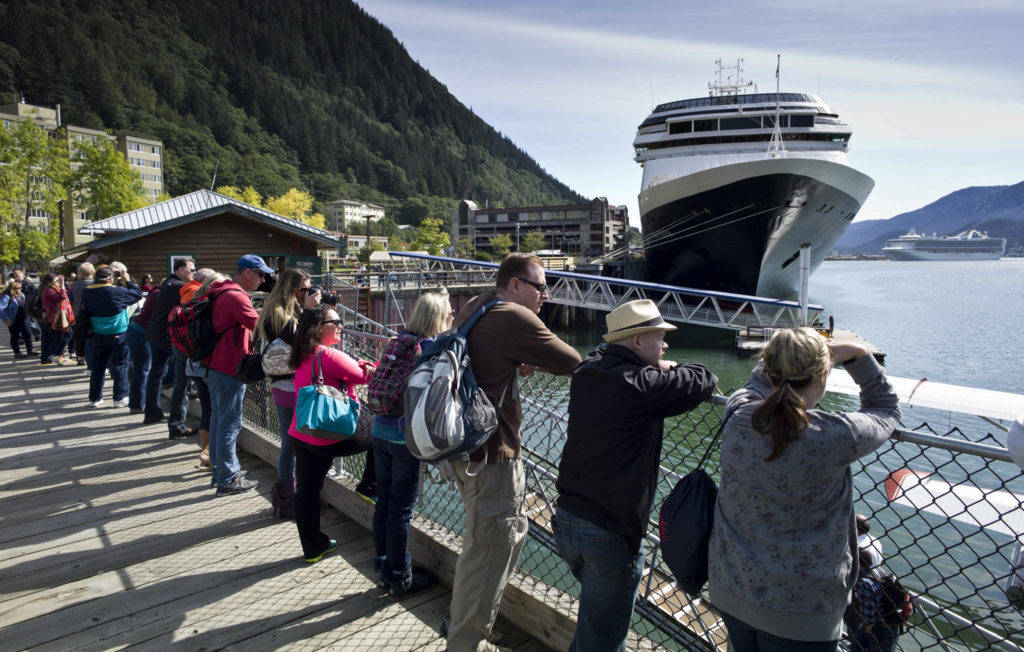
column 727, row 86
column 776, row 146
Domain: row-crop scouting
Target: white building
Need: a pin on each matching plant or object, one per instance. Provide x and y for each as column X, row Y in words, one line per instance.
column 347, row 215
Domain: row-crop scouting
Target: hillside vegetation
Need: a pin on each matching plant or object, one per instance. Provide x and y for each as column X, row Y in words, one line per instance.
column 999, row 210
column 313, row 94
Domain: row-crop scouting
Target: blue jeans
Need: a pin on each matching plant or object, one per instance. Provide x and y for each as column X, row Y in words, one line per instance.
column 609, row 574
column 226, row 395
column 141, row 357
column 161, row 354
column 178, row 407
column 881, row 638
column 398, row 482
column 744, row 638
column 286, row 456
column 102, row 351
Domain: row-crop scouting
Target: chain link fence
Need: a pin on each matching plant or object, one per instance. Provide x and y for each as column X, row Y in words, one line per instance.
column 945, row 504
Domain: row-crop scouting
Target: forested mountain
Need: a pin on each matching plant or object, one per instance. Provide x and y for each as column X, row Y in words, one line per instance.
column 315, row 94
column 996, row 209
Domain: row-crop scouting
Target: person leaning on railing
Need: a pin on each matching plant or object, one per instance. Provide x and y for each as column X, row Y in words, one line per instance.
column 508, row 338
column 317, row 332
column 618, row 401
column 279, row 317
column 782, row 556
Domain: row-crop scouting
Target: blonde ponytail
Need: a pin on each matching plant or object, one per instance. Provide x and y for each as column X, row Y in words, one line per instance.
column 793, row 359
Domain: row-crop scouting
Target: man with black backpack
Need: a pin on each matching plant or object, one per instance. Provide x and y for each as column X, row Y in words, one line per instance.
column 508, row 338
column 233, row 320
column 169, row 295
column 618, row 401
column 879, row 608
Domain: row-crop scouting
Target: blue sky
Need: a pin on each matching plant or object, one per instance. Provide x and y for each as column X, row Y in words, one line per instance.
column 934, row 91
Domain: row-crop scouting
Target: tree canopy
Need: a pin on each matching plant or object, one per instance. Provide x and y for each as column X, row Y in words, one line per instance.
column 316, row 96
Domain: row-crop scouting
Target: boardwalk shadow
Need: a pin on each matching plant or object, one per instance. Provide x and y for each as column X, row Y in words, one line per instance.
column 56, row 569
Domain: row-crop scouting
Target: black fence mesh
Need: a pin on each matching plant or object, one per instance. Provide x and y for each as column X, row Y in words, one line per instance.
column 945, row 503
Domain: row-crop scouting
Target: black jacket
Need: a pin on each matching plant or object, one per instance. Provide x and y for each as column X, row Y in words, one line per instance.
column 170, row 296
column 617, row 409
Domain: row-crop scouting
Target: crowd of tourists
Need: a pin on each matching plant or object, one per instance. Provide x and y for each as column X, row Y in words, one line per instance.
column 783, row 557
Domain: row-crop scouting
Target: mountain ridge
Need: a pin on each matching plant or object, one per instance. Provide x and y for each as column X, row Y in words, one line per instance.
column 316, row 94
column 999, row 210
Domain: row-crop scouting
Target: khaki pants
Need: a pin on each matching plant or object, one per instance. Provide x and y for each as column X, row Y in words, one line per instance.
column 495, row 530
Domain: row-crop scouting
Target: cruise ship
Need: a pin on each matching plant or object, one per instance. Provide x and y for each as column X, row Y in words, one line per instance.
column 967, row 245
column 736, row 182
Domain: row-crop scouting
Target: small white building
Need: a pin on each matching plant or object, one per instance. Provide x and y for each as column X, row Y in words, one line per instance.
column 347, row 214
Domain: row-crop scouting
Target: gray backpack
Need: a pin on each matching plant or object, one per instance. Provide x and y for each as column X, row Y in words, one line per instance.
column 446, row 413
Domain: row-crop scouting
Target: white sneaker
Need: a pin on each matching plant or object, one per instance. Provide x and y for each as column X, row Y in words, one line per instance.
column 98, row 403
column 122, row 402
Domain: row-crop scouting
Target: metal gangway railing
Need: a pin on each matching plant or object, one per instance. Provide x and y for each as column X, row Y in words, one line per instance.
column 957, row 551
column 737, row 312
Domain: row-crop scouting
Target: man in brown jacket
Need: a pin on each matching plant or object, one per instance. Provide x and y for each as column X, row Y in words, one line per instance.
column 509, row 338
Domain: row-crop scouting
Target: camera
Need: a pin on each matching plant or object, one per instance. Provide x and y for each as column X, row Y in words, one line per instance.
column 330, row 298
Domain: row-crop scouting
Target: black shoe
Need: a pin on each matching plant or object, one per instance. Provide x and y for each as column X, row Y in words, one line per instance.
column 422, row 580
column 136, row 411
column 237, row 485
column 174, row 433
column 150, row 418
column 367, row 491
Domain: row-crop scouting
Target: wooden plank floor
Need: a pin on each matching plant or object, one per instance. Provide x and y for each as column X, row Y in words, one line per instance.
column 110, row 537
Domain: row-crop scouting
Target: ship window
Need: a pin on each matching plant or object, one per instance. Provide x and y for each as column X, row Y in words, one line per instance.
column 680, row 127
column 741, row 123
column 801, row 121
column 705, row 125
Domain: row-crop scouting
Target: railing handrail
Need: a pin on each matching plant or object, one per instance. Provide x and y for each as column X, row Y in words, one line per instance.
column 657, row 287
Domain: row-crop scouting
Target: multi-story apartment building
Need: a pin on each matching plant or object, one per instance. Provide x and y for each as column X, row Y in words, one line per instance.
column 144, row 156
column 584, row 229
column 348, row 215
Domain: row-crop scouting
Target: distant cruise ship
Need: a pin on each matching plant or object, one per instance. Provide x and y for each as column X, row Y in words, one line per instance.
column 968, row 245
column 735, row 183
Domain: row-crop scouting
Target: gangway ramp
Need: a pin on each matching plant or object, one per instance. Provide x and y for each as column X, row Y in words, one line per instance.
column 737, row 312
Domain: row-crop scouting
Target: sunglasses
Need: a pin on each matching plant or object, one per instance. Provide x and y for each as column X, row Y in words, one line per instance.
column 540, row 287
column 336, row 322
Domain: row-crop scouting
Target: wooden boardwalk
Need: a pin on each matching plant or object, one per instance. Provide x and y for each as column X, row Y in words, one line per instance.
column 110, row 537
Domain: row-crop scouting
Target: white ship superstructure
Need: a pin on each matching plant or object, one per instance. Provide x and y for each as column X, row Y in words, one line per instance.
column 734, row 183
column 967, row 245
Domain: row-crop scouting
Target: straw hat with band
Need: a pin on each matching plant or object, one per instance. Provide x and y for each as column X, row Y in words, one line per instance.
column 633, row 318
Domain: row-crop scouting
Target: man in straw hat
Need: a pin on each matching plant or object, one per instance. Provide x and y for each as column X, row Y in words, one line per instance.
column 618, row 401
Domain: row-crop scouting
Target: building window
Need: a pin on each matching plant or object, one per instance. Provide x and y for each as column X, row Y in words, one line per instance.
column 156, row 149
column 502, row 217
column 482, row 219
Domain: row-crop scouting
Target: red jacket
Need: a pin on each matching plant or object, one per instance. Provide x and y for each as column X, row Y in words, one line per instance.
column 233, row 315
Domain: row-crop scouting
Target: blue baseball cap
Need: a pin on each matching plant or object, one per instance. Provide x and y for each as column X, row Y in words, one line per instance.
column 252, row 261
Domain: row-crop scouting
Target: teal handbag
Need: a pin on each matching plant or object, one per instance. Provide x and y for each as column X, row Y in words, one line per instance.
column 325, row 411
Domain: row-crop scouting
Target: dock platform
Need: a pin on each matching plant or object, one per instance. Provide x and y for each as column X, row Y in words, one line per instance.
column 111, row 537
column 751, row 342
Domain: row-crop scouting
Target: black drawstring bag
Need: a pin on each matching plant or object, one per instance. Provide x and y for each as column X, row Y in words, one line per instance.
column 685, row 522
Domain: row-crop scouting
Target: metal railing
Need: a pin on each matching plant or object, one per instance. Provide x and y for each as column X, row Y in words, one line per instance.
column 953, row 544
column 677, row 304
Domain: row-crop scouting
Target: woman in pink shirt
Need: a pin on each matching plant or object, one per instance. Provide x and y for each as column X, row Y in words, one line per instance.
column 318, row 329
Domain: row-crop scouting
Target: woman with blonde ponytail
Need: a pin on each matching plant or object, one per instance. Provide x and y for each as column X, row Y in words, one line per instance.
column 782, row 558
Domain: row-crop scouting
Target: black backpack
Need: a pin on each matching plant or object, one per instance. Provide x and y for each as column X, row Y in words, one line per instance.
column 34, row 304
column 685, row 522
column 897, row 607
